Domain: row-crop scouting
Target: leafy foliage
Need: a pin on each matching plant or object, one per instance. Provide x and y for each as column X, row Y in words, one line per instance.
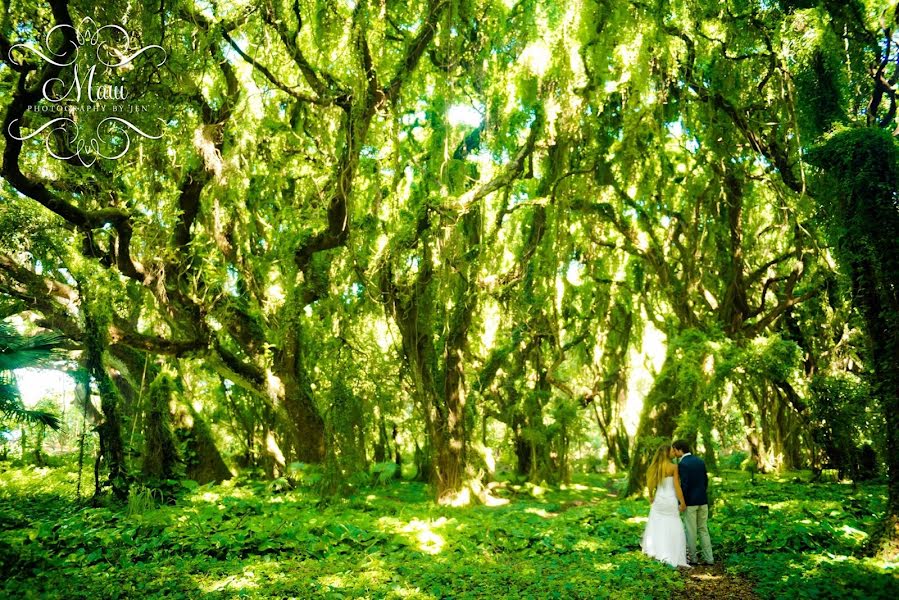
column 573, row 542
column 18, row 351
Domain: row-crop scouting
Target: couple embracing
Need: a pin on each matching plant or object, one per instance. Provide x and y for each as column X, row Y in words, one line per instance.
column 675, row 490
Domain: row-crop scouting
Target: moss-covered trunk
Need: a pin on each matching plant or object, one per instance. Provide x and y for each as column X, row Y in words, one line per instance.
column 112, row 448
column 160, row 455
column 202, row 458
column 858, row 196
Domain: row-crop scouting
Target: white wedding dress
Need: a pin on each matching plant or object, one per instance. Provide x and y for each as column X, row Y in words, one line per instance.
column 664, row 538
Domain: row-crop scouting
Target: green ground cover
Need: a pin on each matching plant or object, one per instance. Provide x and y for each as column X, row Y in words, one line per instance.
column 253, row 539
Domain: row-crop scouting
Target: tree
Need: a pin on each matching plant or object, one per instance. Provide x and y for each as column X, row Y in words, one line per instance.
column 858, row 192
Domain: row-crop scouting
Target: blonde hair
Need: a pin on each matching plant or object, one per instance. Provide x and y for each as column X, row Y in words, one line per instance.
column 656, row 471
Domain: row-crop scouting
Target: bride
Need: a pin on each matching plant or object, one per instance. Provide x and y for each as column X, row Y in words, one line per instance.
column 664, row 538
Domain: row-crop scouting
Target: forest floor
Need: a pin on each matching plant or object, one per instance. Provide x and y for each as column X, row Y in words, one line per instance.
column 713, row 582
column 260, row 539
column 703, row 582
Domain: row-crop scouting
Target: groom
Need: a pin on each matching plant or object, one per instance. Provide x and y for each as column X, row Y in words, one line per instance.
column 694, row 481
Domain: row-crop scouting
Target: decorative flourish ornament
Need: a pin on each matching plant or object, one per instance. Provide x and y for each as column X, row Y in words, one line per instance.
column 113, row 49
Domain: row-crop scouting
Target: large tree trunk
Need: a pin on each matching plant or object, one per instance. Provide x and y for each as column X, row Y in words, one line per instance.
column 524, row 456
column 307, row 424
column 112, row 448
column 455, row 427
column 345, row 428
column 860, row 201
column 608, row 404
column 879, row 298
column 159, row 455
column 205, row 463
column 444, row 410
column 708, row 445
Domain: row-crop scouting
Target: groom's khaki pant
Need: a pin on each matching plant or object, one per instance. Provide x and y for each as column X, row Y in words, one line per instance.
column 696, row 520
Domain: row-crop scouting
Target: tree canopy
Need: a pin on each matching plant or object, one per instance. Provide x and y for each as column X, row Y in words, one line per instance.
column 456, row 232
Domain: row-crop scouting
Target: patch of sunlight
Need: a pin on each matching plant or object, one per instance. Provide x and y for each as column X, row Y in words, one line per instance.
column 272, row 446
column 628, row 53
column 536, row 490
column 636, row 520
column 428, row 541
column 460, row 498
column 246, row 580
column 391, row 524
column 274, row 385
column 560, row 292
column 708, row 366
column 785, row 505
column 508, row 256
column 647, row 361
column 274, row 296
column 408, row 592
column 332, row 580
column 852, row 532
column 676, row 128
column 491, row 325
column 381, row 244
column 37, row 384
column 239, row 493
column 822, row 558
column 383, row 334
column 487, row 454
column 706, row 577
column 573, row 274
column 540, row 513
column 210, row 497
column 603, row 566
column 586, row 546
column 536, row 58
column 465, row 114
column 578, row 72
column 493, row 501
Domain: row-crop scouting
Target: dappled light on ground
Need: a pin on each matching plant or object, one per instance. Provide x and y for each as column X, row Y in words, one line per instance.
column 392, row 541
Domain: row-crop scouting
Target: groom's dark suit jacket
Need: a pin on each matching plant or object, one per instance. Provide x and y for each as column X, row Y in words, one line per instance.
column 694, row 480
